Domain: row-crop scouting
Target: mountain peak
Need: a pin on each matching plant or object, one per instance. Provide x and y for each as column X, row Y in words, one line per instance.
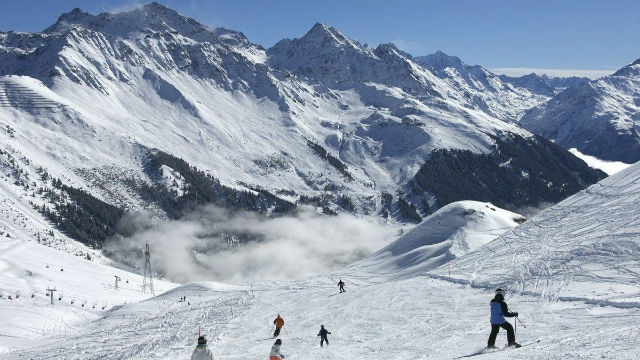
column 440, row 61
column 392, row 50
column 155, row 5
column 632, row 69
column 318, row 26
column 155, row 9
column 152, row 17
column 320, row 43
column 323, row 34
column 75, row 16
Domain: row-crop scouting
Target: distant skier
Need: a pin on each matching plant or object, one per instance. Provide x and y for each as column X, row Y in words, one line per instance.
column 341, row 285
column 499, row 310
column 275, row 351
column 323, row 335
column 201, row 352
column 279, row 324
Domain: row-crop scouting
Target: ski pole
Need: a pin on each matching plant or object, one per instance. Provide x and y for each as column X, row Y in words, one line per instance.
column 521, row 323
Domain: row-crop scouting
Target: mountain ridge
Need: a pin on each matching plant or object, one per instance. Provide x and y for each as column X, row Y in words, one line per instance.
column 347, row 135
column 600, row 118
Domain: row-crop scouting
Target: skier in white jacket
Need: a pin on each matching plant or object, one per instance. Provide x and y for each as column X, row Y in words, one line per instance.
column 201, row 352
column 275, row 351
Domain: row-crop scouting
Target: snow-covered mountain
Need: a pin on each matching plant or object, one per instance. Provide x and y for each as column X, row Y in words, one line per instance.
column 503, row 97
column 98, row 109
column 600, row 118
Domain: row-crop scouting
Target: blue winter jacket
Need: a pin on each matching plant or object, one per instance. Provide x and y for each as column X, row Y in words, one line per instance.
column 499, row 310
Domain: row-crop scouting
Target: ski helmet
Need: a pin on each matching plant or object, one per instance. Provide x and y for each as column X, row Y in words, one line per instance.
column 279, row 342
column 499, row 292
column 202, row 340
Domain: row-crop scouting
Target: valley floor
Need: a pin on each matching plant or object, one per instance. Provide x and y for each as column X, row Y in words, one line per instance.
column 415, row 318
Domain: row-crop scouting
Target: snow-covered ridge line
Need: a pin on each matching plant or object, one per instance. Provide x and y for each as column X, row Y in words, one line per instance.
column 599, row 118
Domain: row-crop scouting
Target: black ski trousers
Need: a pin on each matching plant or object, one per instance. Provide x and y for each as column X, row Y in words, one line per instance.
column 277, row 332
column 511, row 336
column 324, row 339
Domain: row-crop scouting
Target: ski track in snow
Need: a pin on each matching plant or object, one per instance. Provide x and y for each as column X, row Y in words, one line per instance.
column 418, row 318
column 590, row 238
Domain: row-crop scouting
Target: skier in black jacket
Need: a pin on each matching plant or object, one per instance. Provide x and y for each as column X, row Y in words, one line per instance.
column 499, row 310
column 323, row 335
column 341, row 285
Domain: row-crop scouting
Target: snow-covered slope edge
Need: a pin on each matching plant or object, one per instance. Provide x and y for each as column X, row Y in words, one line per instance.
column 585, row 247
column 453, row 231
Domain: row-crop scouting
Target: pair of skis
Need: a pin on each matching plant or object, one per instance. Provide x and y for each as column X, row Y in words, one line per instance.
column 490, row 351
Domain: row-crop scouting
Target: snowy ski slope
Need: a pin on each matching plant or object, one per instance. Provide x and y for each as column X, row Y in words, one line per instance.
column 32, row 259
column 416, row 318
column 570, row 273
column 84, row 291
column 584, row 248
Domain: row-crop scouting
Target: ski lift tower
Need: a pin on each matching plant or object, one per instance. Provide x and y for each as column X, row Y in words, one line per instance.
column 50, row 292
column 148, row 275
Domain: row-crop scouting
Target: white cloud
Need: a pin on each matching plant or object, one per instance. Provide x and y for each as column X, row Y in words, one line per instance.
column 126, row 7
column 520, row 71
column 610, row 167
column 286, row 247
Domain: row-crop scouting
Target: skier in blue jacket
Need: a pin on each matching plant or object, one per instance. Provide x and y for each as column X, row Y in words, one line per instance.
column 499, row 310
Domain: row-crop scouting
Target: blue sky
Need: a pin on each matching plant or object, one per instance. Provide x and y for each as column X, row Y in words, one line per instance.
column 565, row 36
